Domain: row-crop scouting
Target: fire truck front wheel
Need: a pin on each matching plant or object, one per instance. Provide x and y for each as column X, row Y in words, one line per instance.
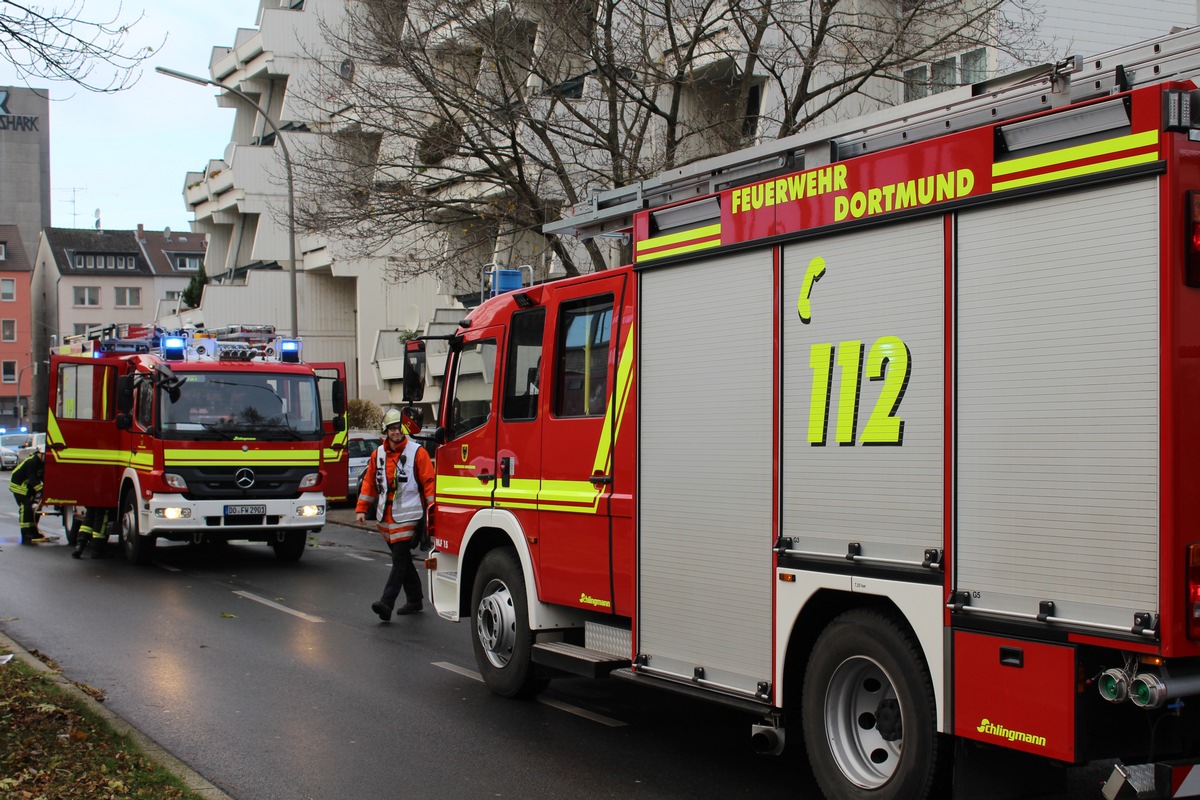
column 138, row 549
column 500, row 622
column 870, row 720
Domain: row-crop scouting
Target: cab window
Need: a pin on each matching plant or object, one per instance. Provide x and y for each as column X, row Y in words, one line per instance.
column 581, row 358
column 524, row 361
column 85, row 392
column 474, row 375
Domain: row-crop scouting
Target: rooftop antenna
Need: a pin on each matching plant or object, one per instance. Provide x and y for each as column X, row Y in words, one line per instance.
column 74, row 190
column 97, row 219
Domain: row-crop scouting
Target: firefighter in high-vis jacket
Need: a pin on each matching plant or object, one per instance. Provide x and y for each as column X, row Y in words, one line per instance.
column 25, row 483
column 399, row 481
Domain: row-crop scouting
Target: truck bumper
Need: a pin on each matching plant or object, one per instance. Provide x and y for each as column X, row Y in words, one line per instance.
column 166, row 514
column 443, row 585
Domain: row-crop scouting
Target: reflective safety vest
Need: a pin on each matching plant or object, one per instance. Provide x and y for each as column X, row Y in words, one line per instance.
column 400, row 492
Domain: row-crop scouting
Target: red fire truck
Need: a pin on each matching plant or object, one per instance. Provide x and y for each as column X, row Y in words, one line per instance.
column 887, row 434
column 195, row 437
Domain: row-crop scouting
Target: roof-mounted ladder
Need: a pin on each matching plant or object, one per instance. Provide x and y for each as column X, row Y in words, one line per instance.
column 1175, row 56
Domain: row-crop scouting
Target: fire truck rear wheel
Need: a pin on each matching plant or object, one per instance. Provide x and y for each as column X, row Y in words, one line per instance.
column 138, row 549
column 500, row 622
column 870, row 720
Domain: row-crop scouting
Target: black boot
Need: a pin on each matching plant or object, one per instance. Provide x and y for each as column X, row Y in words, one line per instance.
column 100, row 548
column 81, row 543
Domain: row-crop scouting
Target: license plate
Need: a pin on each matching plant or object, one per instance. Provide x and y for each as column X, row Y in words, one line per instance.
column 253, row 511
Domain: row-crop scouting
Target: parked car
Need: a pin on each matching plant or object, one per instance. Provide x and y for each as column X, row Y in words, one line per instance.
column 8, row 458
column 33, row 441
column 360, row 446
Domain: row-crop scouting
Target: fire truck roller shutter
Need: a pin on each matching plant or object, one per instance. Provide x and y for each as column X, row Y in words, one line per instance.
column 1058, row 429
column 705, row 539
column 862, row 455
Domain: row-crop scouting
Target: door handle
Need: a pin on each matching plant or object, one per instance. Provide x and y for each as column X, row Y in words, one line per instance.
column 505, row 470
column 601, row 480
column 484, row 477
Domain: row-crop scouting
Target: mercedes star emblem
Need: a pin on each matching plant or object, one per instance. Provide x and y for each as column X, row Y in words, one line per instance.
column 244, row 478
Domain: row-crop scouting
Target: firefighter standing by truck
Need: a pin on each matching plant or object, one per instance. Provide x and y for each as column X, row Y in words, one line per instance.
column 25, row 483
column 401, row 499
column 95, row 526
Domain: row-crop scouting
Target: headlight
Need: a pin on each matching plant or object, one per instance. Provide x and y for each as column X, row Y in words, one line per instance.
column 311, row 511
column 173, row 513
column 310, row 480
column 175, row 481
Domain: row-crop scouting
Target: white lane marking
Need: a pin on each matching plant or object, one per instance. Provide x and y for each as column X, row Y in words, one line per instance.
column 581, row 712
column 360, row 558
column 275, row 605
column 546, row 701
column 466, row 673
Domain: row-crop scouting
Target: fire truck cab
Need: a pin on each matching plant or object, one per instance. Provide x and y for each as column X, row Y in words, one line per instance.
column 190, row 438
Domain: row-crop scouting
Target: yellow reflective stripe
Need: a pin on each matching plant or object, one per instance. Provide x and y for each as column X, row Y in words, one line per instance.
column 602, row 463
column 1087, row 169
column 676, row 238
column 332, row 453
column 278, row 458
column 453, row 490
column 521, row 493
column 1067, row 154
column 691, row 248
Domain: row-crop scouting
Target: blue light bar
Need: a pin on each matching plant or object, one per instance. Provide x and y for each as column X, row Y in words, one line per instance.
column 173, row 342
column 289, row 351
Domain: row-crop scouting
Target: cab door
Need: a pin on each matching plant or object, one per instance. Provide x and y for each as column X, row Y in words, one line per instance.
column 576, row 545
column 335, row 461
column 85, row 455
column 466, row 463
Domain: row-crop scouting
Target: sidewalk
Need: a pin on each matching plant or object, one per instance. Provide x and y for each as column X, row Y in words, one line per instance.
column 193, row 780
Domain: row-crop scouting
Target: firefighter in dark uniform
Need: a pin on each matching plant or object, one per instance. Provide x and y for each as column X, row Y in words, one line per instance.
column 95, row 526
column 25, row 483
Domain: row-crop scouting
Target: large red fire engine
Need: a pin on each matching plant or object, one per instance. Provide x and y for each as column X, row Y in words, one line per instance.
column 197, row 437
column 888, row 432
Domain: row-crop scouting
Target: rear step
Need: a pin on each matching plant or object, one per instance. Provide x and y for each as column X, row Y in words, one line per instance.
column 576, row 659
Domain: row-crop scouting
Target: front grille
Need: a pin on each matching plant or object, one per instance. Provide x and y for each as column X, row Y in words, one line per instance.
column 219, row 483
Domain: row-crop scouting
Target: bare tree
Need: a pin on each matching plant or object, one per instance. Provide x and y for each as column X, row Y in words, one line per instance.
column 457, row 128
column 60, row 44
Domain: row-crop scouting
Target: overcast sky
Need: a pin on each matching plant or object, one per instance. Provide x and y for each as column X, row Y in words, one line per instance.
column 127, row 154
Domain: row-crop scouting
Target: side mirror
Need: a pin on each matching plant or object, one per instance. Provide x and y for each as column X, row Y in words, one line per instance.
column 124, row 398
column 414, row 371
column 440, row 435
column 339, row 424
column 339, row 398
column 124, row 421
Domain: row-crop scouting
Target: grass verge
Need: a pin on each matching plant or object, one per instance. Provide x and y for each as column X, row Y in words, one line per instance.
column 52, row 746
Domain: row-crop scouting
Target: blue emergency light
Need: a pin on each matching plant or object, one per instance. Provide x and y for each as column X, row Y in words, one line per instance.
column 289, row 351
column 174, row 347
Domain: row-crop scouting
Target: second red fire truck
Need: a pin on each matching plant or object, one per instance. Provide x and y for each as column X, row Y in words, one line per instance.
column 887, row 436
column 191, row 437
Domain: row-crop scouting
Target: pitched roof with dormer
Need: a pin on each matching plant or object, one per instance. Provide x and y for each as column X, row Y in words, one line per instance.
column 15, row 258
column 166, row 248
column 79, row 251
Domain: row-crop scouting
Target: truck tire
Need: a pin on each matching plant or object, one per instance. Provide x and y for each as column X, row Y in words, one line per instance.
column 870, row 720
column 292, row 546
column 138, row 549
column 500, row 626
column 70, row 524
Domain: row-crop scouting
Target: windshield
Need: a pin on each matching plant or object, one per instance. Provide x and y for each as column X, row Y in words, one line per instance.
column 230, row 404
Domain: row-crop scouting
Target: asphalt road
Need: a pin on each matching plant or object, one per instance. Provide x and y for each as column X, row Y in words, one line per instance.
column 276, row 682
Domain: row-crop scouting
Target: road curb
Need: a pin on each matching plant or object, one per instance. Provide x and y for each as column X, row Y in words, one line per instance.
column 194, row 781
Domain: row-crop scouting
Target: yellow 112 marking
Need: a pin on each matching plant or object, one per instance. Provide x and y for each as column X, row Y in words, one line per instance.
column 888, row 360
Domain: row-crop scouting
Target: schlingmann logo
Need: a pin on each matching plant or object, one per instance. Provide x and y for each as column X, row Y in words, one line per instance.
column 992, row 729
column 588, row 600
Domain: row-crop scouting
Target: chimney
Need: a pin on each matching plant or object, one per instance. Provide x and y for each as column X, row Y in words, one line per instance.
column 141, row 233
